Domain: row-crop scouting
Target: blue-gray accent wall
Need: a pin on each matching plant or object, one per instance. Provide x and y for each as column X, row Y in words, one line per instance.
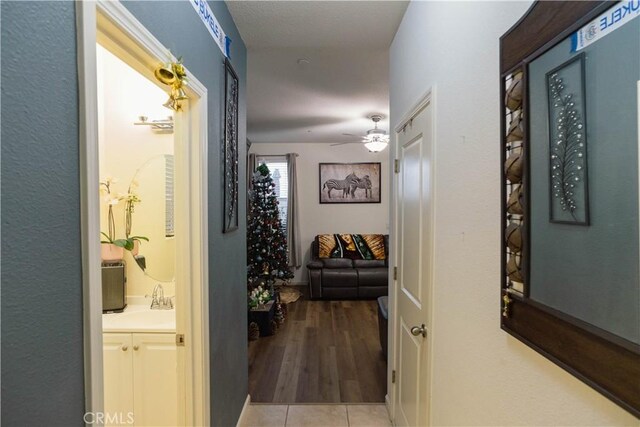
column 42, row 349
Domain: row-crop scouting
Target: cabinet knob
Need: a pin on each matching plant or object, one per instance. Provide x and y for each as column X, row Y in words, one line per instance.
column 135, row 347
column 125, row 348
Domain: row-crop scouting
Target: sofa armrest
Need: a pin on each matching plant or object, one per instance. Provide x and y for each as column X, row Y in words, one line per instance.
column 315, row 282
column 315, row 264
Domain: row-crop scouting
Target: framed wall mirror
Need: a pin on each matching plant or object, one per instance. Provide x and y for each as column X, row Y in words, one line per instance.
column 570, row 102
column 154, row 217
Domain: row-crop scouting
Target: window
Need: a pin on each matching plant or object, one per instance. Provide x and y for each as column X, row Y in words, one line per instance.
column 278, row 167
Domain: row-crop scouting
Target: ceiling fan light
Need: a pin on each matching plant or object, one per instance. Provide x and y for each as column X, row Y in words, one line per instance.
column 376, row 145
column 371, row 137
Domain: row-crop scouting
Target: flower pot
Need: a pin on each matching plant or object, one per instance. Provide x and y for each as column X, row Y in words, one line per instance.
column 111, row 252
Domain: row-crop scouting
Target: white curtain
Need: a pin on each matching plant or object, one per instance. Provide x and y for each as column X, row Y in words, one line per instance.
column 293, row 223
column 251, row 168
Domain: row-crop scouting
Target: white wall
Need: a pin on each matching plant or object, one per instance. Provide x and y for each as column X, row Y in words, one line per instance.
column 481, row 375
column 339, row 218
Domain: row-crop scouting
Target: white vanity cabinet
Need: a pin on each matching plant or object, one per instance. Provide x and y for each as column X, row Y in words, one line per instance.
column 140, row 377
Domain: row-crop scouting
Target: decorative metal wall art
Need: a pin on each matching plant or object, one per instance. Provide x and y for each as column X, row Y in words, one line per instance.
column 230, row 149
column 513, row 165
column 568, row 198
column 605, row 361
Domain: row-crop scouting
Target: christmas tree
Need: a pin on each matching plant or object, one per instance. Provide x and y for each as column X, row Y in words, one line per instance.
column 266, row 240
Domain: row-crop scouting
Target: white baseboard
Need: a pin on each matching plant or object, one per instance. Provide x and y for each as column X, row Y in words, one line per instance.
column 245, row 409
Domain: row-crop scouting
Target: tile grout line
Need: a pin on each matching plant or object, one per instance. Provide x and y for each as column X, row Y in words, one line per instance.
column 286, row 417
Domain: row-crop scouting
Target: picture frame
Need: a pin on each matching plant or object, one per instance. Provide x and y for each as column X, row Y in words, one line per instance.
column 347, row 183
column 607, row 361
column 230, row 150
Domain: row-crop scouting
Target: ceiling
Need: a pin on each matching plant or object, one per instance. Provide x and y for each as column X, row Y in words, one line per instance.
column 316, row 69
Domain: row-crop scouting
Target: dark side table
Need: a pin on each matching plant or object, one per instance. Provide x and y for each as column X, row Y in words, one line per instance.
column 264, row 318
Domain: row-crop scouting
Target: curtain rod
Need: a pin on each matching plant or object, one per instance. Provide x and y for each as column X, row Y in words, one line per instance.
column 274, row 155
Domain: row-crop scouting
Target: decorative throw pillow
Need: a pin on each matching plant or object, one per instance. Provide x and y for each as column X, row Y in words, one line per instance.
column 352, row 246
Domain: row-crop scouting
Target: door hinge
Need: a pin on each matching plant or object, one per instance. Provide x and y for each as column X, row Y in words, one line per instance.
column 395, row 273
column 180, row 340
column 393, row 376
column 396, row 163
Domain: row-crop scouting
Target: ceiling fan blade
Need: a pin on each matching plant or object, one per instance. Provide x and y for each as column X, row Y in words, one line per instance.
column 346, row 142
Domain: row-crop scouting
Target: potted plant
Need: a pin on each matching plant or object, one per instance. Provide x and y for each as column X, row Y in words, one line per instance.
column 259, row 297
column 130, row 200
column 112, row 249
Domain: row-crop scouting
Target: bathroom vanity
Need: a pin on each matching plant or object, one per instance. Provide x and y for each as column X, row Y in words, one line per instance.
column 140, row 365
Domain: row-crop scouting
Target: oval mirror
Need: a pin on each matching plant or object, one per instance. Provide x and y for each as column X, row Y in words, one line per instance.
column 152, row 218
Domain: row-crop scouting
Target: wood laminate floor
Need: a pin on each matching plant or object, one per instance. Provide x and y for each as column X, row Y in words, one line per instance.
column 325, row 352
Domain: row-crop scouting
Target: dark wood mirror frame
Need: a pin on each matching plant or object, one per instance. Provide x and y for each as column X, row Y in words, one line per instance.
column 606, row 362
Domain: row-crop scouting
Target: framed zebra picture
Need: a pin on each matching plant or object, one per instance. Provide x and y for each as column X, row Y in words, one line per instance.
column 350, row 183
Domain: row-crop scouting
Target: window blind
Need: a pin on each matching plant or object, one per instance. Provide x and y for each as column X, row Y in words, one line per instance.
column 169, row 228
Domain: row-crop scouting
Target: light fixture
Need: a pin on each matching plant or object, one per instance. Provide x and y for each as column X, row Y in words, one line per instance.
column 157, row 126
column 376, row 139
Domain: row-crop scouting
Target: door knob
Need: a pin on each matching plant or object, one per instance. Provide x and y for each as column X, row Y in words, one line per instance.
column 419, row 330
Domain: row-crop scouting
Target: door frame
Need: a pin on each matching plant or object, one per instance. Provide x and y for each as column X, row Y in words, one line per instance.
column 427, row 98
column 191, row 158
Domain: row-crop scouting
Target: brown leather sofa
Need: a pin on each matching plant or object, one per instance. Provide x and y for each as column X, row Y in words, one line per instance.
column 343, row 278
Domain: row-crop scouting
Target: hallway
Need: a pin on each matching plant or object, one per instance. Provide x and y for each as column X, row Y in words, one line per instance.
column 325, row 352
column 476, row 162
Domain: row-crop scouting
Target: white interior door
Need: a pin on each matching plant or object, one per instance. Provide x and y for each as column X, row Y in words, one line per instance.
column 414, row 237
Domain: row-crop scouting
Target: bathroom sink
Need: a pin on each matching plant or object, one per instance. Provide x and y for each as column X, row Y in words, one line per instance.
column 140, row 318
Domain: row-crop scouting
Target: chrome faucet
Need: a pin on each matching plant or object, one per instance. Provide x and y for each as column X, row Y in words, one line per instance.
column 159, row 301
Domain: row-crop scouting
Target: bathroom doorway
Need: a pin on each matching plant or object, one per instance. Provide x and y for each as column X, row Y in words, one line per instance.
column 144, row 228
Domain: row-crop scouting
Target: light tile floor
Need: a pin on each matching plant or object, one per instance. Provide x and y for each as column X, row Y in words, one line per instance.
column 316, row 416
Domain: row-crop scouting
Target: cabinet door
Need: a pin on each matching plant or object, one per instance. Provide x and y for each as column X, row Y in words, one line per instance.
column 155, row 378
column 118, row 374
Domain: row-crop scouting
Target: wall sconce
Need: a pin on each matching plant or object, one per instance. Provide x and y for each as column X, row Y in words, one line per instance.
column 173, row 74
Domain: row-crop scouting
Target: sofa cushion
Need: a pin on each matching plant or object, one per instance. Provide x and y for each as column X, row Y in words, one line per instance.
column 352, row 246
column 339, row 278
column 373, row 276
column 337, row 263
column 368, row 263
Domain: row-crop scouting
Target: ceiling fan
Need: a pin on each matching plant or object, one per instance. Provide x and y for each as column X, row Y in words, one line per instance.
column 375, row 140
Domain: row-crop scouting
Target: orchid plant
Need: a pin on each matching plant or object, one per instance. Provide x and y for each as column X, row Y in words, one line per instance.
column 112, row 199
